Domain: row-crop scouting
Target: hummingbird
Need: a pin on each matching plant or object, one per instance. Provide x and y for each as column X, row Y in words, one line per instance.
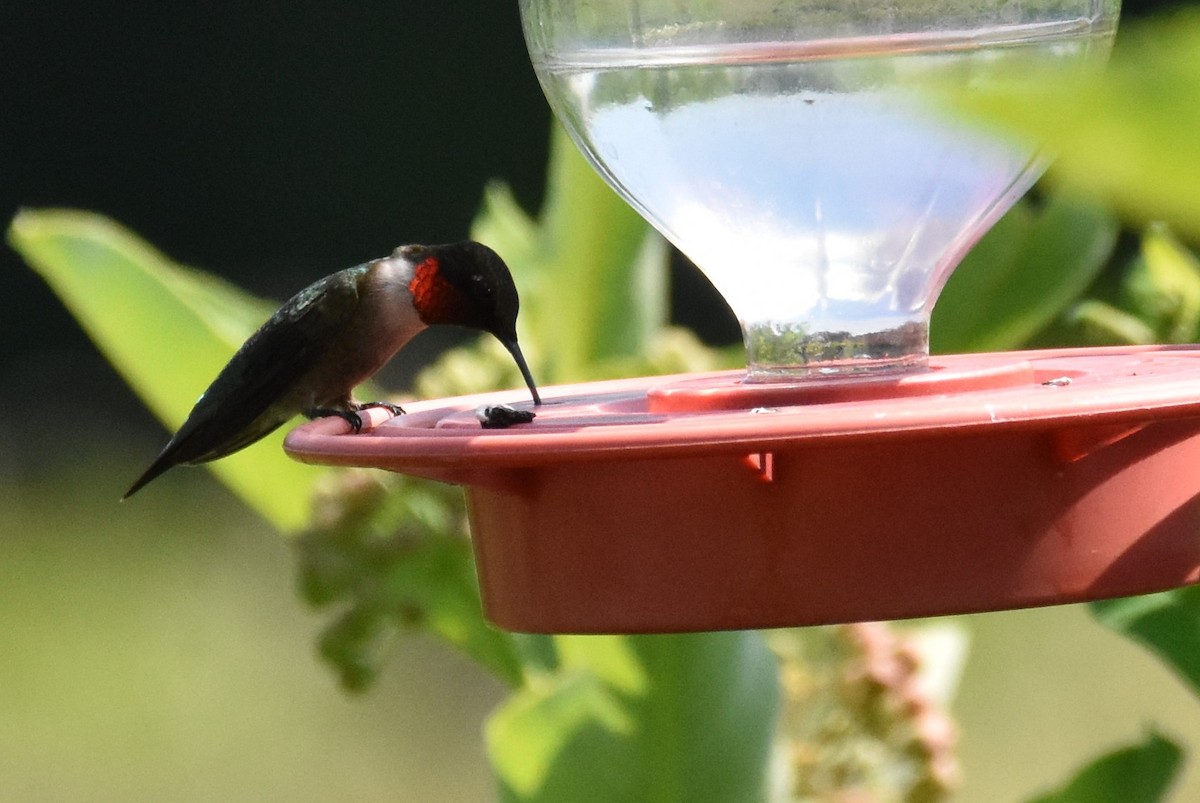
column 334, row 334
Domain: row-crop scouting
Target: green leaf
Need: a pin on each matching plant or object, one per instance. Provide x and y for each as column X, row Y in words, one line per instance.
column 1141, row 773
column 168, row 330
column 1172, row 278
column 1107, row 324
column 390, row 553
column 642, row 718
column 440, row 578
column 613, row 659
column 709, row 716
column 1130, row 138
column 1168, row 623
column 531, row 731
column 1023, row 275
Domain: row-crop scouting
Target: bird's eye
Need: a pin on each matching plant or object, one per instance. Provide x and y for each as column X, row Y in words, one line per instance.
column 480, row 287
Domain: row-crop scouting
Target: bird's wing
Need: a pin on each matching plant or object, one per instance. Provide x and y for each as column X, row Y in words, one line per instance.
column 230, row 414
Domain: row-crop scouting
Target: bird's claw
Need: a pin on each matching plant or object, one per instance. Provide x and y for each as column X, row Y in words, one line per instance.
column 394, row 409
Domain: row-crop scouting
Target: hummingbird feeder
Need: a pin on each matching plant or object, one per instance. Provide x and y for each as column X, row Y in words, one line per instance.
column 846, row 475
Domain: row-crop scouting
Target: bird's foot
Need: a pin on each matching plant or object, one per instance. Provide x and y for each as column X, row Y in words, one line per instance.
column 349, row 416
column 352, row 417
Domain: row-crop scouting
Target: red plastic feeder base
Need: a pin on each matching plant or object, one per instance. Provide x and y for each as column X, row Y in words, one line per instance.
column 702, row 503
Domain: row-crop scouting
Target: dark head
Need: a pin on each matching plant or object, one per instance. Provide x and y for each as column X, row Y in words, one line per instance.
column 467, row 284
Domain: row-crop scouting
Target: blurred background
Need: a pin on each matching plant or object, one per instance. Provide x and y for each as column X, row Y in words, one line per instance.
column 157, row 648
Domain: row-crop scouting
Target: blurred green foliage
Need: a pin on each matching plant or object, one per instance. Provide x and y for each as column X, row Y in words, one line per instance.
column 693, row 716
column 1020, row 277
column 1140, row 773
column 1126, row 138
column 1168, row 623
column 390, row 554
column 167, row 329
column 1156, row 301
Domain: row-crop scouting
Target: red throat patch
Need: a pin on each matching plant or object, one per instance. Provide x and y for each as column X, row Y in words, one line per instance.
column 434, row 298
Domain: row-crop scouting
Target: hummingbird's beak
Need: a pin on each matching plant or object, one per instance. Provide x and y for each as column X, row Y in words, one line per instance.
column 515, row 351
